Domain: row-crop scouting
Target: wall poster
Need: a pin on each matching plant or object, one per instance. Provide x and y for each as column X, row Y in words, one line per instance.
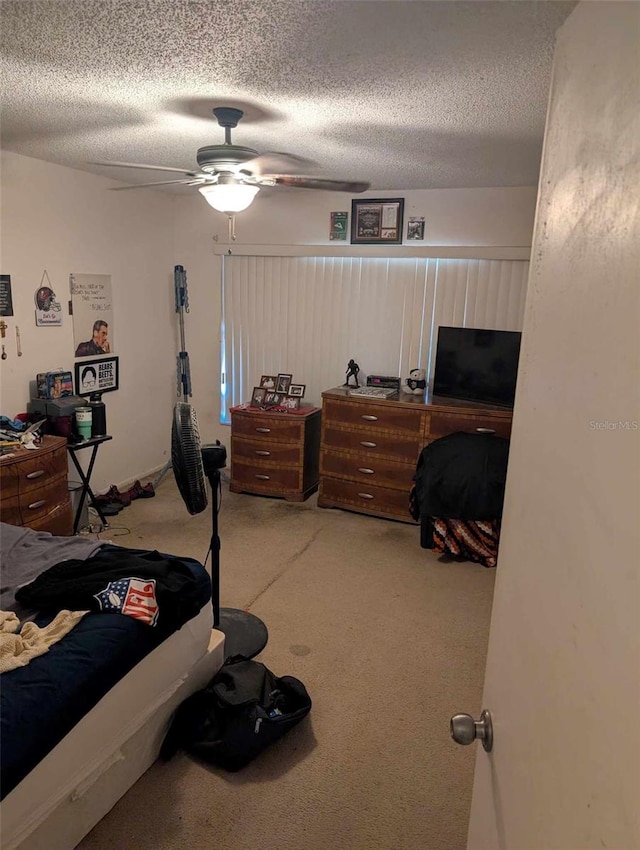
column 338, row 226
column 6, row 302
column 92, row 314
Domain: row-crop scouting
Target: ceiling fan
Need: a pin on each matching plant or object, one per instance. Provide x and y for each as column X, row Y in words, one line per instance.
column 230, row 176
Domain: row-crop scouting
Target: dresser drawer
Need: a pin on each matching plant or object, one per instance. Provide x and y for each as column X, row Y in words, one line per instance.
column 380, row 416
column 264, row 478
column 58, row 522
column 36, row 504
column 255, row 450
column 8, row 483
column 10, row 509
column 448, row 423
column 373, row 443
column 261, row 427
column 362, row 497
column 37, row 471
column 373, row 471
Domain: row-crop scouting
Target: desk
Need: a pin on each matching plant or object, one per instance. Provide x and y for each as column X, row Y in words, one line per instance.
column 85, row 477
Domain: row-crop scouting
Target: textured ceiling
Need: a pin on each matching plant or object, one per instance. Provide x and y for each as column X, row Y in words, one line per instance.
column 402, row 94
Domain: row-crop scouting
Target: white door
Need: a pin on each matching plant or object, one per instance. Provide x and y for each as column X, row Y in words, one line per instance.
column 562, row 680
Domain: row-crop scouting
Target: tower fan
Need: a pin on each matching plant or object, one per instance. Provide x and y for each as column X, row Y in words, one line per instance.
column 245, row 634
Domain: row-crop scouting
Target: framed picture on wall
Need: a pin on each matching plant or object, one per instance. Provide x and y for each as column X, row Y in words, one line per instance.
column 377, row 221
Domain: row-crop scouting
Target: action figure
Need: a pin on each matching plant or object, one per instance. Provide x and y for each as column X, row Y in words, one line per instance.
column 352, row 371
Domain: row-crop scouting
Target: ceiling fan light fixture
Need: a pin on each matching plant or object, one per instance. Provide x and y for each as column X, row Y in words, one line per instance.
column 229, row 197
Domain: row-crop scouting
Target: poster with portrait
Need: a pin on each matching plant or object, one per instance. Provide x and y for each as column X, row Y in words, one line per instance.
column 93, row 332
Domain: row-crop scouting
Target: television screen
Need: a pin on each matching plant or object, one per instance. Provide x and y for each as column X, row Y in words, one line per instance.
column 477, row 365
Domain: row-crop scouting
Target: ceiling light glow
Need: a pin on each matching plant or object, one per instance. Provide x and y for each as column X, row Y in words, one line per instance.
column 229, row 197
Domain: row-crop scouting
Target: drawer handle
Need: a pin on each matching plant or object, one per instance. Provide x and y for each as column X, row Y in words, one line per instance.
column 262, row 454
column 367, row 444
column 486, row 430
column 35, row 474
column 35, row 505
column 369, row 418
column 263, row 430
column 262, row 477
column 365, row 495
column 365, row 471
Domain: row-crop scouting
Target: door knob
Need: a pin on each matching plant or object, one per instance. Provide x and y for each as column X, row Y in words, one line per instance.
column 464, row 729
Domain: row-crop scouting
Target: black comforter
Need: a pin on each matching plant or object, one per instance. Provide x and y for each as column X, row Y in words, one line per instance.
column 41, row 702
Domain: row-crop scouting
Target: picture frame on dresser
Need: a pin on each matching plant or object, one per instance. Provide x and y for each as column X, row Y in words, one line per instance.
column 290, row 402
column 272, row 398
column 284, row 382
column 257, row 396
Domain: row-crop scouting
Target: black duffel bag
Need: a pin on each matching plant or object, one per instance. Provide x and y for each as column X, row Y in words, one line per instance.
column 242, row 710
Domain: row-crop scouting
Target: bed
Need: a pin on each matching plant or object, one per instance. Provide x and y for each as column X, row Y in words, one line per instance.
column 81, row 722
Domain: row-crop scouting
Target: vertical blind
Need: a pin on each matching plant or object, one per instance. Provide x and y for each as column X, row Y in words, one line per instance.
column 308, row 316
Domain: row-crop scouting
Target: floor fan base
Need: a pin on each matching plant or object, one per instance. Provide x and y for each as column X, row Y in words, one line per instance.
column 244, row 633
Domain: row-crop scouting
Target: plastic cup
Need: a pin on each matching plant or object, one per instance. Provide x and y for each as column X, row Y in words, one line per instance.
column 83, row 421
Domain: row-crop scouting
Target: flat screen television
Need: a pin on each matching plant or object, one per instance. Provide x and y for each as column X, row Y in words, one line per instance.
column 477, row 365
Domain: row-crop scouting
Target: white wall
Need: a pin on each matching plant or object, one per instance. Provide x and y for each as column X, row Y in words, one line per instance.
column 480, row 217
column 67, row 221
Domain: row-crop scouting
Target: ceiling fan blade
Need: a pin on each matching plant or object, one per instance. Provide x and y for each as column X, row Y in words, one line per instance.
column 274, row 162
column 187, row 182
column 183, row 171
column 320, row 183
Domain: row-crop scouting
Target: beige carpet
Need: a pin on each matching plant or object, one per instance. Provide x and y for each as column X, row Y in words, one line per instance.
column 390, row 642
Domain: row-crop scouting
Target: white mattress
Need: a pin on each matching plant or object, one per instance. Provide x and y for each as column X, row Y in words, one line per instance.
column 109, row 749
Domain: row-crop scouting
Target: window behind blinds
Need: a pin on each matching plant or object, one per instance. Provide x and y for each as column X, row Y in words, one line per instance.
column 308, row 316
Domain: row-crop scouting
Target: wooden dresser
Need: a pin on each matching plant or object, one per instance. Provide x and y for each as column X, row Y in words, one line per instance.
column 275, row 454
column 34, row 490
column 370, row 446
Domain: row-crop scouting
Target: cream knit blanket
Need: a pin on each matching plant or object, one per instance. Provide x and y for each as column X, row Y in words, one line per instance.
column 17, row 650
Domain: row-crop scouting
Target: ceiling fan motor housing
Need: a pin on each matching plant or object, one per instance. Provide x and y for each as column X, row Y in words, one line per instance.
column 223, row 157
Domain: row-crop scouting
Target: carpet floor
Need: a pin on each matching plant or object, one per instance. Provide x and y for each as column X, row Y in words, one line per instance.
column 389, row 639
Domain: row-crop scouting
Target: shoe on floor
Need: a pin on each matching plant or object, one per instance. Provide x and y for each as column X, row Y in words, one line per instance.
column 110, row 508
column 114, row 495
column 140, row 492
